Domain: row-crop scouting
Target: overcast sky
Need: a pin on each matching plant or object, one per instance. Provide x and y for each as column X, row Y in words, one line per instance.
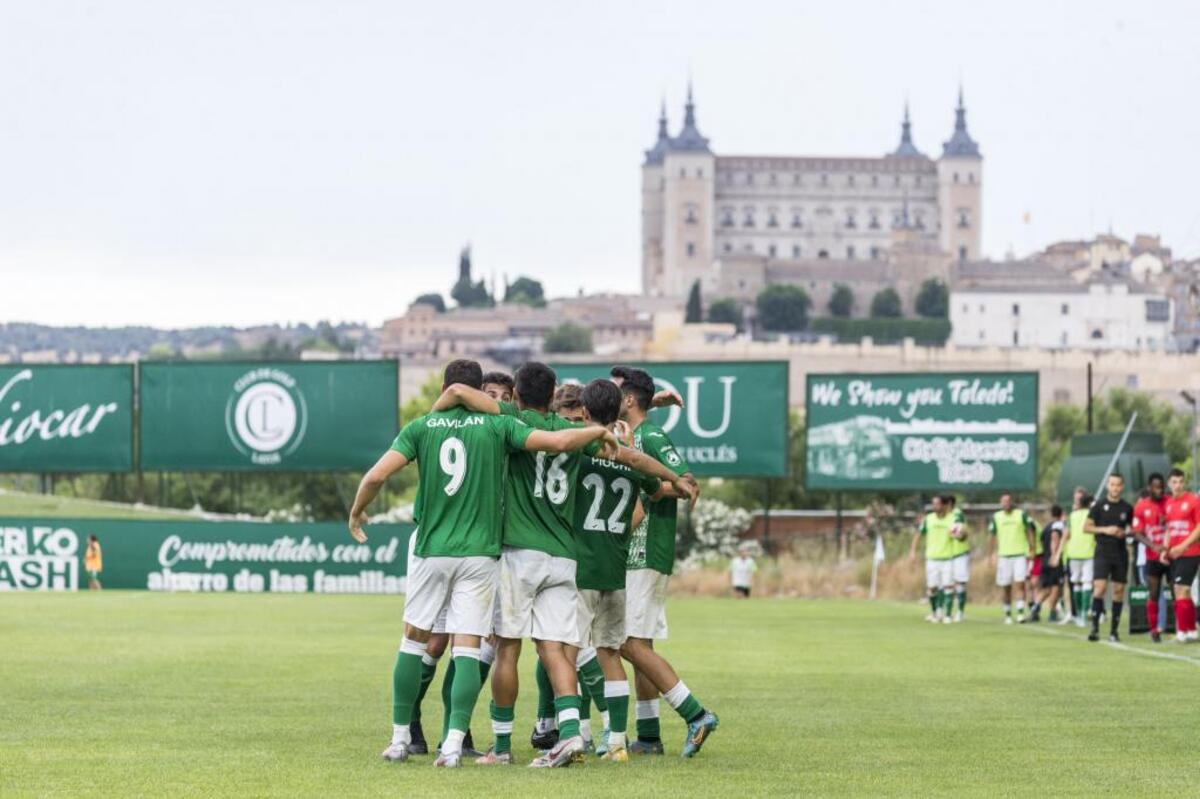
column 186, row 163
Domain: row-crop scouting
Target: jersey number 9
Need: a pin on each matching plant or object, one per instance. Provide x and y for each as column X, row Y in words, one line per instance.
column 453, row 459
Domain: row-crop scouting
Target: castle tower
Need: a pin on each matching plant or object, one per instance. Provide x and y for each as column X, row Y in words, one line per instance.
column 688, row 180
column 960, row 187
column 652, row 207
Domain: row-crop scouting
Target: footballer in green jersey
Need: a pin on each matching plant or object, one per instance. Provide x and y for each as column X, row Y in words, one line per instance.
column 537, row 590
column 960, row 565
column 1011, row 546
column 461, row 458
column 935, row 531
column 650, row 568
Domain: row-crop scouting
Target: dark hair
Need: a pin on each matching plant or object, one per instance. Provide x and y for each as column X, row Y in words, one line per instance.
column 92, row 537
column 1087, row 500
column 637, row 383
column 949, row 499
column 1056, row 511
column 464, row 371
column 1155, row 476
column 535, row 385
column 497, row 379
column 567, row 396
column 1117, row 475
column 1176, row 473
column 602, row 399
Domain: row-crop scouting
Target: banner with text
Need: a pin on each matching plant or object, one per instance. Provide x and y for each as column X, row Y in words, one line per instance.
column 967, row 430
column 251, row 557
column 66, row 418
column 734, row 422
column 296, row 416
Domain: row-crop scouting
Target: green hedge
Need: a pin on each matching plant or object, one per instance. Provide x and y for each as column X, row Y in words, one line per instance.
column 884, row 331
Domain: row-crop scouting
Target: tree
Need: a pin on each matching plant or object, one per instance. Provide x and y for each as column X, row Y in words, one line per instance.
column 726, row 311
column 433, row 299
column 695, row 310
column 933, row 299
column 885, row 305
column 526, row 291
column 467, row 293
column 568, row 337
column 783, row 307
column 841, row 302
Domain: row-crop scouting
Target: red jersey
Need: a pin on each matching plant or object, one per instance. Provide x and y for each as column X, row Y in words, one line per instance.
column 1182, row 515
column 1148, row 519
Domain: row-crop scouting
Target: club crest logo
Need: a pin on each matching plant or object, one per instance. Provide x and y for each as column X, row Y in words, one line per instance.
column 266, row 415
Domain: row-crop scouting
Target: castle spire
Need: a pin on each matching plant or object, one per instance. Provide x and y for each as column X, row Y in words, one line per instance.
column 961, row 144
column 906, row 149
column 689, row 137
column 655, row 155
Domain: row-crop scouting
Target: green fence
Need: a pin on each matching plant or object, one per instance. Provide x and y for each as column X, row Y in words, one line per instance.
column 734, row 422
column 963, row 430
column 48, row 555
column 299, row 416
column 66, row 418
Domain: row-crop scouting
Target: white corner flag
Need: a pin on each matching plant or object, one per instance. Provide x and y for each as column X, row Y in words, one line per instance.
column 875, row 561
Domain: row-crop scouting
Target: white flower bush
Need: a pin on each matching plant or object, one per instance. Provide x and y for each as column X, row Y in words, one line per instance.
column 296, row 513
column 716, row 528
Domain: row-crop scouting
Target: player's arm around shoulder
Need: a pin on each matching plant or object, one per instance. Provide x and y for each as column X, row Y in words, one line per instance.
column 470, row 398
column 677, row 484
column 572, row 439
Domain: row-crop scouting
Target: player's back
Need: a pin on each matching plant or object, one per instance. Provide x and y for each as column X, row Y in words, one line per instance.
column 603, row 520
column 461, row 457
column 539, row 503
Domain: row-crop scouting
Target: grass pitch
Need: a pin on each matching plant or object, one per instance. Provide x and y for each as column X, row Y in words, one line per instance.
column 140, row 694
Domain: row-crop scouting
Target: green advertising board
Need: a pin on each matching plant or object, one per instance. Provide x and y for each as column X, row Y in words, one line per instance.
column 955, row 430
column 250, row 557
column 734, row 422
column 66, row 418
column 294, row 416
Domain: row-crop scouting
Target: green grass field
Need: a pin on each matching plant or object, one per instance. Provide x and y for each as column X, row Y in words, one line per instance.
column 140, row 694
column 20, row 503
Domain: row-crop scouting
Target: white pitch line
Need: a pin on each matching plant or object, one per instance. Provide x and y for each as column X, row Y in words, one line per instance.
column 1124, row 647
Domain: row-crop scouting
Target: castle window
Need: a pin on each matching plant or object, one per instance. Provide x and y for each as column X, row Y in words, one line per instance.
column 850, row 252
column 699, row 172
column 1016, row 309
column 874, row 223
column 726, row 217
column 728, row 247
column 874, row 180
column 850, row 223
column 690, row 216
column 796, row 220
column 823, row 254
column 875, row 253
column 1016, row 338
column 682, row 172
column 917, row 180
column 771, row 250
column 749, row 178
column 970, row 177
column 956, row 177
column 824, row 180
column 796, row 179
column 964, row 218
column 795, row 250
column 1066, row 309
column 962, row 253
column 896, row 180
column 919, row 221
column 749, row 220
column 772, row 219
column 691, row 249
column 850, row 180
column 771, row 179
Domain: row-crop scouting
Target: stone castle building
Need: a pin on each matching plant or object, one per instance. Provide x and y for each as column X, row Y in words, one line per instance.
column 737, row 222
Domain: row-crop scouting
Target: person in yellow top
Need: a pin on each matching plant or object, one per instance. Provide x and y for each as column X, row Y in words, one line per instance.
column 1077, row 547
column 1011, row 547
column 93, row 563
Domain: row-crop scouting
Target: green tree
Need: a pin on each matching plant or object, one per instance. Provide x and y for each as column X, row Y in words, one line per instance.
column 841, row 302
column 695, row 309
column 886, row 305
column 726, row 311
column 433, row 299
column 526, row 291
column 466, row 292
column 783, row 307
column 568, row 337
column 933, row 299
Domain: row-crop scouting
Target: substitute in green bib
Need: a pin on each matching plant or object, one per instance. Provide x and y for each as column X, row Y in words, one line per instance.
column 1078, row 547
column 960, row 545
column 461, row 457
column 934, row 530
column 1011, row 546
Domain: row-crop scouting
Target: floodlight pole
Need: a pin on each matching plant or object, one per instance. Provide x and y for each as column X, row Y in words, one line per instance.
column 1191, row 400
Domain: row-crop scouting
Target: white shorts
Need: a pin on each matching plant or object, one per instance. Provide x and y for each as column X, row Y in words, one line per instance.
column 1081, row 571
column 646, row 604
column 537, row 596
column 601, row 618
column 1011, row 569
column 439, row 624
column 960, row 568
column 939, row 573
column 458, row 590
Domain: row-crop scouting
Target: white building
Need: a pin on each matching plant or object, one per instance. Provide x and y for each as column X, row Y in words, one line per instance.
column 1099, row 314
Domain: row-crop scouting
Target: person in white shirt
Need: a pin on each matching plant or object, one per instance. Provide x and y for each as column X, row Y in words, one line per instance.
column 741, row 573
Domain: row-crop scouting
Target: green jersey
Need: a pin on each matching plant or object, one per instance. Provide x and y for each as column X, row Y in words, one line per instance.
column 1081, row 545
column 461, row 458
column 1011, row 531
column 936, row 529
column 539, row 502
column 653, row 543
column 603, row 515
column 960, row 546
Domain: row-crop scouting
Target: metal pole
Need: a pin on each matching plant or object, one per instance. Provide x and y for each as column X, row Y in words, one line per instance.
column 1089, row 396
column 840, row 541
column 1112, row 464
column 766, row 542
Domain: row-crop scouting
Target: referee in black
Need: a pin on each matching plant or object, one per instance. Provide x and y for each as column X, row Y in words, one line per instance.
column 1109, row 520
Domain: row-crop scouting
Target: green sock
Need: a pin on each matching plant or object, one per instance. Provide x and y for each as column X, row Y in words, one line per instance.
column 648, row 729
column 688, row 707
column 502, row 726
column 618, row 711
column 406, row 683
column 447, row 686
column 566, row 708
column 545, row 693
column 948, row 601
column 464, row 692
column 591, row 680
column 962, row 599
column 933, row 602
column 484, row 670
column 1076, row 601
column 585, row 704
column 427, row 672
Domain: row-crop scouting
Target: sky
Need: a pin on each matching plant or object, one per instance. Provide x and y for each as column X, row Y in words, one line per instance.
column 179, row 164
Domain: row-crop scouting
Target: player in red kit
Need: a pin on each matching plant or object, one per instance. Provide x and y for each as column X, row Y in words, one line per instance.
column 1182, row 514
column 1148, row 519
